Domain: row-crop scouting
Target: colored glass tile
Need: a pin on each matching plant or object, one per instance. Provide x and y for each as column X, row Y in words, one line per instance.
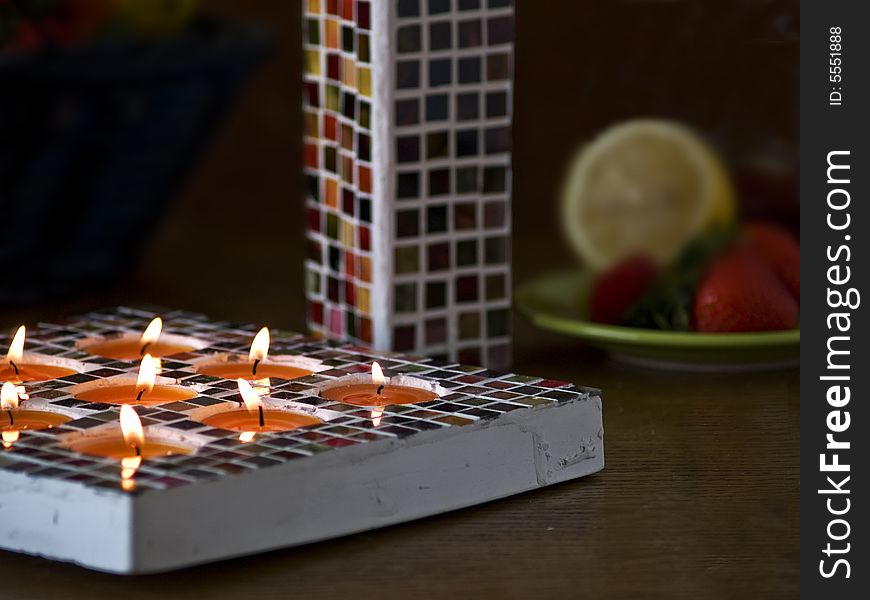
column 407, row 112
column 465, row 216
column 436, row 294
column 466, row 288
column 408, row 74
column 498, row 140
column 495, row 215
column 466, row 142
column 436, row 219
column 437, row 144
column 497, row 322
column 495, row 250
column 470, row 33
column 440, row 72
column 466, row 180
column 436, row 331
column 438, row 257
column 467, row 106
column 440, row 37
column 406, row 260
column 408, row 185
column 469, row 69
column 466, row 253
column 469, row 325
column 405, row 297
column 407, row 223
column 439, row 182
column 437, row 106
column 408, row 39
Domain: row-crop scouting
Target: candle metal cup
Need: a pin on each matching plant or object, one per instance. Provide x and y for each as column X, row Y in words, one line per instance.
column 115, row 446
column 14, row 421
column 129, row 346
column 129, row 394
column 125, row 389
column 35, row 367
column 234, row 369
column 273, row 420
column 366, row 394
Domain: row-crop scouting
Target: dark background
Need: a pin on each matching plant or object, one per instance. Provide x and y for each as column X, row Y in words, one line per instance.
column 231, row 244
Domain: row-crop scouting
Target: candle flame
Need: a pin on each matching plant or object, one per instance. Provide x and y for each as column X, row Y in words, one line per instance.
column 262, row 386
column 148, row 373
column 250, row 397
column 10, row 437
column 152, row 332
column 131, row 427
column 9, row 396
column 260, row 346
column 16, row 348
column 129, row 466
column 378, row 374
column 377, row 415
column 247, row 436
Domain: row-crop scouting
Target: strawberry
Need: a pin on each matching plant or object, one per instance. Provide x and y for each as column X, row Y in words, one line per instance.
column 619, row 287
column 780, row 250
column 740, row 292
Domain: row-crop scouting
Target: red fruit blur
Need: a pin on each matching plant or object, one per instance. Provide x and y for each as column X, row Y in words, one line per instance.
column 741, row 292
column 781, row 252
column 619, row 287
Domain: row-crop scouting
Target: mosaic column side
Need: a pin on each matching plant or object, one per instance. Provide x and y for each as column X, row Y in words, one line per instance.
column 339, row 107
column 452, row 116
column 409, row 213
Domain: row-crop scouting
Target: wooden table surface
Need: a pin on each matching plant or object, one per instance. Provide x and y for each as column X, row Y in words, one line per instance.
column 698, row 499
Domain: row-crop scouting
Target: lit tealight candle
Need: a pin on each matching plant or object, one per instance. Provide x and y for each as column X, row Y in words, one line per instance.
column 131, row 346
column 256, row 365
column 21, row 367
column 14, row 419
column 255, row 418
column 380, row 392
column 131, row 447
column 146, row 390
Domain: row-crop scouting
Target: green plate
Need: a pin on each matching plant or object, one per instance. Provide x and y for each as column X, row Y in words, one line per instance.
column 557, row 302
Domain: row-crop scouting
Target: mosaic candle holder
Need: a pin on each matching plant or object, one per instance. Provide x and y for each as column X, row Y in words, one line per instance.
column 487, row 435
column 407, row 160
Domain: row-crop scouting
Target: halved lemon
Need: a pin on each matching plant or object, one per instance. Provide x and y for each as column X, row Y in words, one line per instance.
column 643, row 186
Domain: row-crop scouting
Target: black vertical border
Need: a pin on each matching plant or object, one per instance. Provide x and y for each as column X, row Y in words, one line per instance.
column 826, row 128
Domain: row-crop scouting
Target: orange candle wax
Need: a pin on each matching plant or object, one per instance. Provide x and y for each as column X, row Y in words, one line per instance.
column 115, row 446
column 366, row 394
column 127, row 393
column 14, row 421
column 245, row 370
column 129, row 347
column 273, row 420
column 30, row 369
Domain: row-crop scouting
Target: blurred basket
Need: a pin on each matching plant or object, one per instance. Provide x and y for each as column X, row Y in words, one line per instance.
column 94, row 143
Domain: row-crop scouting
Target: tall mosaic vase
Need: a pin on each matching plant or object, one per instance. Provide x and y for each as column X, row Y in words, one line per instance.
column 407, row 159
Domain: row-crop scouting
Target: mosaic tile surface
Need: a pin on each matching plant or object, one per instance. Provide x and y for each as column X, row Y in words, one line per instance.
column 474, row 394
column 408, row 116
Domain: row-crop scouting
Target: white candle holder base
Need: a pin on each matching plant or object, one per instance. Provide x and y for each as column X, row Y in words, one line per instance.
column 489, row 436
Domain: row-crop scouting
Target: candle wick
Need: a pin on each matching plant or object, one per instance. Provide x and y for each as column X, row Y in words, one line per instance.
column 256, row 364
column 139, row 396
column 144, row 348
column 380, row 389
column 262, row 417
column 14, row 366
column 136, row 449
column 11, row 418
